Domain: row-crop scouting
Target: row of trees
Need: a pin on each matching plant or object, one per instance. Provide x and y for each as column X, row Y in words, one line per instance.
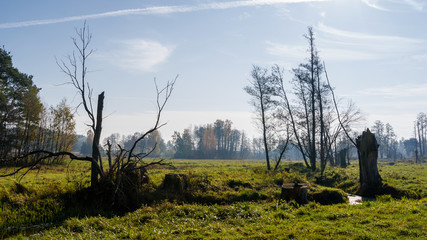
column 387, row 140
column 420, row 130
column 305, row 113
column 153, row 143
column 218, row 140
column 392, row 148
column 25, row 123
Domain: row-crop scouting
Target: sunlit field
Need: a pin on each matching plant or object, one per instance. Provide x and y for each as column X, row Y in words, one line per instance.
column 224, row 199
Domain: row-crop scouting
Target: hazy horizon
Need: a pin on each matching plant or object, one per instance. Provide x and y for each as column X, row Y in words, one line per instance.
column 375, row 53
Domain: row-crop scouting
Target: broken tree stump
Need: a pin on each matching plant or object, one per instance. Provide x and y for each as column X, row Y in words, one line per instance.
column 295, row 191
column 367, row 151
column 175, row 182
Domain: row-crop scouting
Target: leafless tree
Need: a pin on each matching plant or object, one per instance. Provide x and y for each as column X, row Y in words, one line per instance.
column 260, row 89
column 125, row 163
column 311, row 116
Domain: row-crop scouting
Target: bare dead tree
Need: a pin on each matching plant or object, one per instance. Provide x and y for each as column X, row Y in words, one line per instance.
column 126, row 162
column 285, row 107
column 75, row 68
column 261, row 91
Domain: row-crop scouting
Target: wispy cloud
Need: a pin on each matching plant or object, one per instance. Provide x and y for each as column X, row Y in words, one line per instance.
column 337, row 44
column 396, row 5
column 139, row 54
column 362, row 36
column 291, row 51
column 367, row 46
column 397, row 91
column 331, row 53
column 155, row 11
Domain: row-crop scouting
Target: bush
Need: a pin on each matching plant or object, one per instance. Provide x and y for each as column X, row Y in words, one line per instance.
column 238, row 183
column 397, row 193
column 327, row 196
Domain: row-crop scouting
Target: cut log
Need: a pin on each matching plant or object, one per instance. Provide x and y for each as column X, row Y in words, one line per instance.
column 295, row 191
column 175, row 182
column 367, row 150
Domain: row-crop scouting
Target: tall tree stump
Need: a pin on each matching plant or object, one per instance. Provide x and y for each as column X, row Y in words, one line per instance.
column 367, row 150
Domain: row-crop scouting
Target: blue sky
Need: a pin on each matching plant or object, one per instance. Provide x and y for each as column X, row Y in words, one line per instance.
column 375, row 52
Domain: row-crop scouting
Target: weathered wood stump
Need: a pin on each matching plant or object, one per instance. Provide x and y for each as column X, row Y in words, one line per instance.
column 175, row 182
column 367, row 150
column 295, row 191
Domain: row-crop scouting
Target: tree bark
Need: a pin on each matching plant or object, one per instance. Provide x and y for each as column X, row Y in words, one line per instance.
column 367, row 149
column 264, row 135
column 95, row 144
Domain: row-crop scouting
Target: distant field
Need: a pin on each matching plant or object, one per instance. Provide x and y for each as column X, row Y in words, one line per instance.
column 225, row 199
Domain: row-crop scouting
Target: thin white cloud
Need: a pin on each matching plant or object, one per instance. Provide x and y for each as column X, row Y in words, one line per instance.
column 374, row 4
column 420, row 57
column 397, row 91
column 395, row 5
column 361, row 36
column 155, row 11
column 139, row 54
column 361, row 46
column 337, row 44
column 287, row 50
column 330, row 53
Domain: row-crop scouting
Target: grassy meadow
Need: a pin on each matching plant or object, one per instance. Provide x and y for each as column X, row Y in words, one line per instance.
column 224, row 199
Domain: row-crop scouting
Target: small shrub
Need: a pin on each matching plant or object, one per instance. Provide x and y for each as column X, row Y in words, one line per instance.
column 384, row 198
column 4, row 196
column 327, row 196
column 238, row 183
column 279, row 181
column 396, row 192
column 19, row 188
column 295, row 177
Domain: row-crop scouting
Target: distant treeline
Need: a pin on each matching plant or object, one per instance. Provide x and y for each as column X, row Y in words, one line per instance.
column 218, row 140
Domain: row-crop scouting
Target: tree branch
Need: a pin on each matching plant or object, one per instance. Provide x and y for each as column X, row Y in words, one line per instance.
column 336, row 108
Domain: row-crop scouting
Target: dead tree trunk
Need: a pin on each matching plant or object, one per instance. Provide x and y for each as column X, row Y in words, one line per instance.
column 367, row 149
column 95, row 144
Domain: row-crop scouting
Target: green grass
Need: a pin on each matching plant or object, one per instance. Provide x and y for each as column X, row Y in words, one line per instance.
column 250, row 220
column 224, row 200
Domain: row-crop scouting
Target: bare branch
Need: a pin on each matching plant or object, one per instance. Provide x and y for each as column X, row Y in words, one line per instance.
column 336, row 108
column 47, row 155
column 167, row 90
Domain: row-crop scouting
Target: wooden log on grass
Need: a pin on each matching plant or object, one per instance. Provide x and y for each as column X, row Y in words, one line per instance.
column 175, row 182
column 295, row 191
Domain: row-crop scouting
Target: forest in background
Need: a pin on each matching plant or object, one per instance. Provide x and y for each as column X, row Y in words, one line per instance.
column 27, row 124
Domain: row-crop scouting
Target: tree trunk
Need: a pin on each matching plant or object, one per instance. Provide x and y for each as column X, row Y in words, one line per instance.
column 343, row 157
column 264, row 134
column 294, row 191
column 95, row 144
column 367, row 149
column 177, row 183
